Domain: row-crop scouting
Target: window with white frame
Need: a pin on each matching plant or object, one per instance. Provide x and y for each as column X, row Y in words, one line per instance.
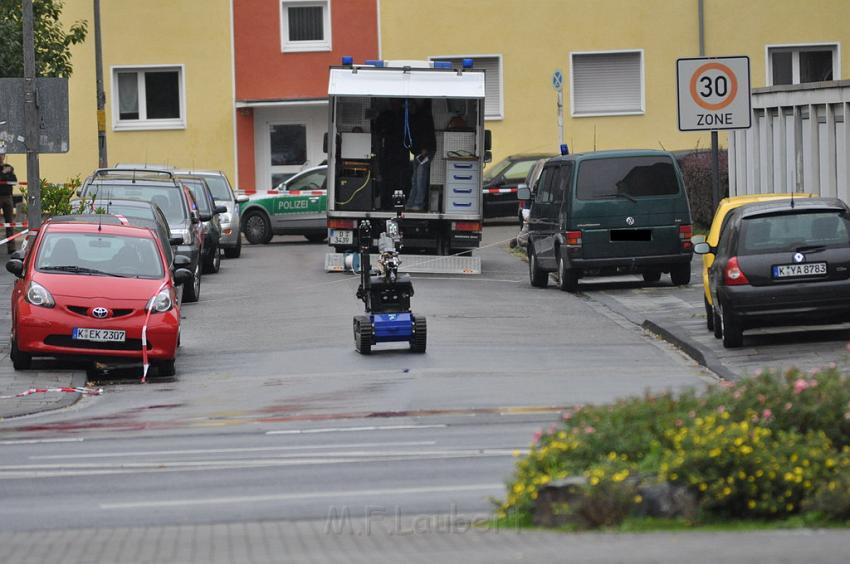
column 305, row 25
column 607, row 83
column 492, row 66
column 148, row 98
column 798, row 64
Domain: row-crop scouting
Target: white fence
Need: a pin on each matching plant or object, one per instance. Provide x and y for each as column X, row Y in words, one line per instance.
column 798, row 142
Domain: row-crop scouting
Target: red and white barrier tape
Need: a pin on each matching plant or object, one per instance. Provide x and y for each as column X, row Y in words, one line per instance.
column 145, row 362
column 15, row 236
column 307, row 192
column 64, row 390
column 15, row 224
column 499, row 190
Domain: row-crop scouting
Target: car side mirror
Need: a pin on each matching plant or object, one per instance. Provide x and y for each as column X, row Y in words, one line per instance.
column 181, row 261
column 220, row 209
column 182, row 276
column 195, row 218
column 242, row 198
column 175, row 240
column 488, row 140
column 704, row 249
column 16, row 267
column 523, row 192
column 18, row 255
column 205, row 216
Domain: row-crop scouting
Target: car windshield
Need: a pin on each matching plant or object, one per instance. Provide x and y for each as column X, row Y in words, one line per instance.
column 168, row 198
column 496, row 169
column 197, row 188
column 629, row 177
column 99, row 254
column 314, row 180
column 793, row 232
column 219, row 188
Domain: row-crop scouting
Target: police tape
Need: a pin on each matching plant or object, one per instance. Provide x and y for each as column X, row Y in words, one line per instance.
column 15, row 236
column 500, row 190
column 63, row 390
column 145, row 361
column 23, row 224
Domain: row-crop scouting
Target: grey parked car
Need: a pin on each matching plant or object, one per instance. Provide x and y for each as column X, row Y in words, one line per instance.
column 207, row 207
column 222, row 192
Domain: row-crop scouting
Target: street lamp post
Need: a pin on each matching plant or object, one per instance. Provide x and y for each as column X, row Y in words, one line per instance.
column 101, row 96
column 31, row 121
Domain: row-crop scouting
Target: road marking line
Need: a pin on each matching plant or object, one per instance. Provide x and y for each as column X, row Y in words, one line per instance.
column 226, row 450
column 301, row 496
column 353, row 429
column 41, row 441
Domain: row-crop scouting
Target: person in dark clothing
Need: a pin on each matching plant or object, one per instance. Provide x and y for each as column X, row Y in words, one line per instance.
column 7, row 181
column 423, row 146
column 393, row 157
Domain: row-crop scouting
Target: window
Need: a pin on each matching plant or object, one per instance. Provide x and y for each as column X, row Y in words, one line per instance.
column 627, row 177
column 289, row 144
column 608, row 83
column 801, row 64
column 305, row 25
column 492, row 66
column 148, row 98
column 544, row 186
column 309, row 181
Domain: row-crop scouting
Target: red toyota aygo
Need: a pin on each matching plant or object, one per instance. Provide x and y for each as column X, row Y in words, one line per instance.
column 86, row 290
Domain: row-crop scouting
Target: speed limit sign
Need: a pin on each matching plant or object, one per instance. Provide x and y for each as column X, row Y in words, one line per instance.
column 713, row 93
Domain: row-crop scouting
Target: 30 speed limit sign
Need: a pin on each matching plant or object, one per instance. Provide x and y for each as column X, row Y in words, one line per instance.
column 713, row 93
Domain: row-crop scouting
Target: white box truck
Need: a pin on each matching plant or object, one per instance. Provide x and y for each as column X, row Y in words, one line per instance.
column 380, row 115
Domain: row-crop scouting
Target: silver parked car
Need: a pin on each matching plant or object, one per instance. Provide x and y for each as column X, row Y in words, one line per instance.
column 231, row 227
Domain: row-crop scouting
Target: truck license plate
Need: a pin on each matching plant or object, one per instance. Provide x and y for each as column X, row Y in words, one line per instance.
column 341, row 237
column 99, row 335
column 791, row 270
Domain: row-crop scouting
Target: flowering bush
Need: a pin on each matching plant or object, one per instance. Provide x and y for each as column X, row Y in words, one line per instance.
column 767, row 447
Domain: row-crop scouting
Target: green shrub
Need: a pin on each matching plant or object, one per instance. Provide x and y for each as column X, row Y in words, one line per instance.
column 762, row 448
column 56, row 198
column 696, row 172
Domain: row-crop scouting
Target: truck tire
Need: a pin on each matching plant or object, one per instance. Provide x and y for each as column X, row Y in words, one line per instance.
column 567, row 278
column 538, row 278
column 363, row 334
column 420, row 335
column 652, row 276
column 680, row 274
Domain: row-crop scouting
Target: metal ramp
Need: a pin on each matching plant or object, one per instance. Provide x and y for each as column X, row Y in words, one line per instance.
column 413, row 264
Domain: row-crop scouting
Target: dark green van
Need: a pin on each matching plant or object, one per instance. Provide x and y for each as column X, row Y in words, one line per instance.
column 608, row 213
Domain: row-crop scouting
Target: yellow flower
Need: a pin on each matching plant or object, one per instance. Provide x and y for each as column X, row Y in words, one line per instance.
column 638, row 499
column 789, row 507
column 751, row 504
column 830, row 462
column 517, row 453
column 727, row 490
column 746, row 449
column 724, row 415
column 519, row 488
column 715, row 452
column 703, row 486
column 594, row 481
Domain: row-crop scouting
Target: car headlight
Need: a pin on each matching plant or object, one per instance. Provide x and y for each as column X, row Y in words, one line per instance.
column 225, row 217
column 161, row 302
column 38, row 295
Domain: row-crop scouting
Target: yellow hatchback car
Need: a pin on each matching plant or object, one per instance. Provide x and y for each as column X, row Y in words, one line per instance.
column 717, row 224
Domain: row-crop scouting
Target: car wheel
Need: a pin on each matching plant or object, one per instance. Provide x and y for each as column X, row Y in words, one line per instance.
column 363, row 334
column 680, row 274
column 567, row 277
column 316, row 237
column 733, row 333
column 192, row 292
column 257, row 228
column 234, row 252
column 718, row 323
column 539, row 278
column 652, row 276
column 166, row 367
column 709, row 314
column 213, row 264
column 20, row 360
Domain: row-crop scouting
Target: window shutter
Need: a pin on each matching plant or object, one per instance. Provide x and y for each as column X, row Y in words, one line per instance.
column 606, row 83
column 492, row 82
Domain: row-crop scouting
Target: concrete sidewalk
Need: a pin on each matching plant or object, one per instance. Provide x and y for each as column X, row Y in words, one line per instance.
column 41, row 376
column 677, row 315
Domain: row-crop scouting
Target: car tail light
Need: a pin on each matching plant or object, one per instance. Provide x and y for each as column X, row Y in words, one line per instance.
column 466, row 226
column 342, row 224
column 733, row 275
column 573, row 238
column 685, row 234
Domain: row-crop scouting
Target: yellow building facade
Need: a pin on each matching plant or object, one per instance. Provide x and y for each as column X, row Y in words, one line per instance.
column 618, row 59
column 168, row 77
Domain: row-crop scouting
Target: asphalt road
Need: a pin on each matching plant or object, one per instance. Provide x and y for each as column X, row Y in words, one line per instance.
column 274, row 416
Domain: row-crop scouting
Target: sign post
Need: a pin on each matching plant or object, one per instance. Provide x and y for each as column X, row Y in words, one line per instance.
column 713, row 93
column 558, row 85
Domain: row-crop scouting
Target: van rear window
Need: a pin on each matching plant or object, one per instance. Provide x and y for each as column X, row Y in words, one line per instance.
column 628, row 177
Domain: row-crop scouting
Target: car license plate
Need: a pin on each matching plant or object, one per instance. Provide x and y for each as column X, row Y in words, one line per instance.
column 341, row 237
column 99, row 335
column 791, row 270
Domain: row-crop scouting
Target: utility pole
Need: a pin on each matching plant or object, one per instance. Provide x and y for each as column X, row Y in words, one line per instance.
column 101, row 96
column 715, row 145
column 31, row 120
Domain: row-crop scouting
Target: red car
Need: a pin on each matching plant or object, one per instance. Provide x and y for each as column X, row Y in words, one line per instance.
column 84, row 290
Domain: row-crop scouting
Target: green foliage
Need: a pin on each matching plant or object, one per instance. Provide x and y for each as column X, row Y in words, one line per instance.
column 767, row 447
column 56, row 198
column 696, row 172
column 52, row 42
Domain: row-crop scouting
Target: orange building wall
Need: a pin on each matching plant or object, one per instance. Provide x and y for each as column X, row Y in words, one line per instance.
column 263, row 72
column 245, row 142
